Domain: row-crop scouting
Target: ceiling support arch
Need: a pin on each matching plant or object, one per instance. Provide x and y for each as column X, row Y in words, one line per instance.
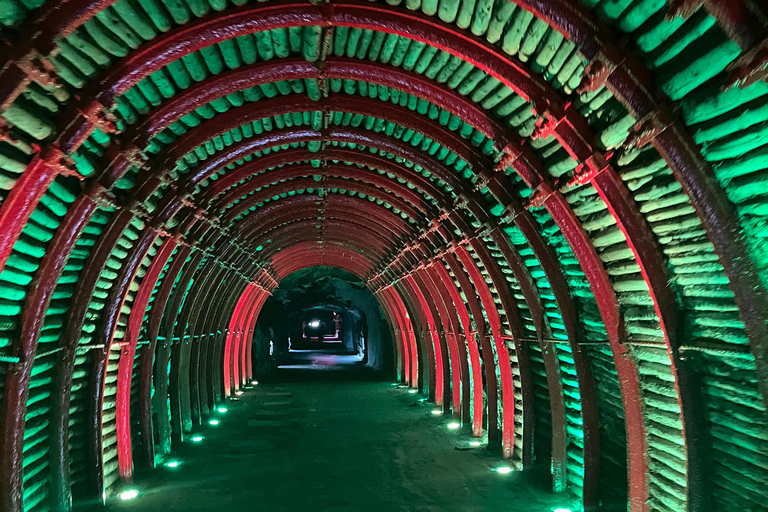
column 559, row 288
column 601, row 264
column 403, row 335
column 475, row 339
column 450, row 330
column 236, row 330
column 399, row 350
column 716, row 244
column 125, row 365
column 430, row 327
column 472, row 377
column 173, row 424
column 156, row 313
column 429, row 334
column 146, row 453
column 424, row 353
column 333, row 205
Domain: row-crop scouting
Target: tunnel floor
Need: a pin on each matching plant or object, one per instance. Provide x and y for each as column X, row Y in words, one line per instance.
column 333, row 441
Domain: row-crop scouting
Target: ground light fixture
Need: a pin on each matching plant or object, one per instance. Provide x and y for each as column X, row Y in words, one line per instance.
column 413, row 391
column 475, row 444
column 196, row 439
column 454, row 425
column 222, row 409
column 128, row 494
column 560, row 509
column 172, row 464
column 502, row 469
column 213, row 422
column 239, row 392
column 437, row 412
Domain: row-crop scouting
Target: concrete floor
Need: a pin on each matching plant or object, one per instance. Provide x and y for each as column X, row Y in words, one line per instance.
column 333, row 441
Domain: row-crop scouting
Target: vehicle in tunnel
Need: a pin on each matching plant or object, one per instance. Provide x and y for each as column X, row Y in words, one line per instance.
column 547, row 217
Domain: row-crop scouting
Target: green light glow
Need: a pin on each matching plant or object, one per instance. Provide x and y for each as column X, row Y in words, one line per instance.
column 454, row 425
column 503, row 469
column 475, row 443
column 213, row 422
column 238, row 393
column 129, row 494
column 437, row 412
column 561, row 510
column 412, row 391
column 196, row 439
column 173, row 464
column 222, row 409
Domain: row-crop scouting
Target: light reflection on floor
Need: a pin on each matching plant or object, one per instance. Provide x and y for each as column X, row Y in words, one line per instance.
column 320, row 360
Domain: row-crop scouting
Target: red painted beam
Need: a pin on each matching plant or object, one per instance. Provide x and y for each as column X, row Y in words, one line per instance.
column 439, row 348
column 16, row 210
column 471, row 376
column 147, row 453
column 506, row 396
column 19, row 374
column 125, row 365
column 426, row 378
column 454, row 370
column 155, row 319
column 234, row 330
column 171, row 378
column 483, row 378
column 557, row 402
column 63, row 370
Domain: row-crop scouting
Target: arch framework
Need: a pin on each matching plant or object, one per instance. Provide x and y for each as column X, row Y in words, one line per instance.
column 559, row 206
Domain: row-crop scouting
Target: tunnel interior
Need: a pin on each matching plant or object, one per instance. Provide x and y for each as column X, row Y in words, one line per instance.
column 326, row 308
column 545, row 218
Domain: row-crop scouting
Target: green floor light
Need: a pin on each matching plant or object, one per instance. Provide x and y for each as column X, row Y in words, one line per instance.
column 413, row 391
column 196, row 439
column 173, row 464
column 454, row 425
column 502, row 469
column 129, row 494
column 222, row 409
column 437, row 412
column 475, row 443
column 213, row 422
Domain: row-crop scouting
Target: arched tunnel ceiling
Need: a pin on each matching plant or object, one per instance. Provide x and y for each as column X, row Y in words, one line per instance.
column 574, row 187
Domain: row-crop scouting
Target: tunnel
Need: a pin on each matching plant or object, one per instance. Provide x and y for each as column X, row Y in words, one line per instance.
column 535, row 231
